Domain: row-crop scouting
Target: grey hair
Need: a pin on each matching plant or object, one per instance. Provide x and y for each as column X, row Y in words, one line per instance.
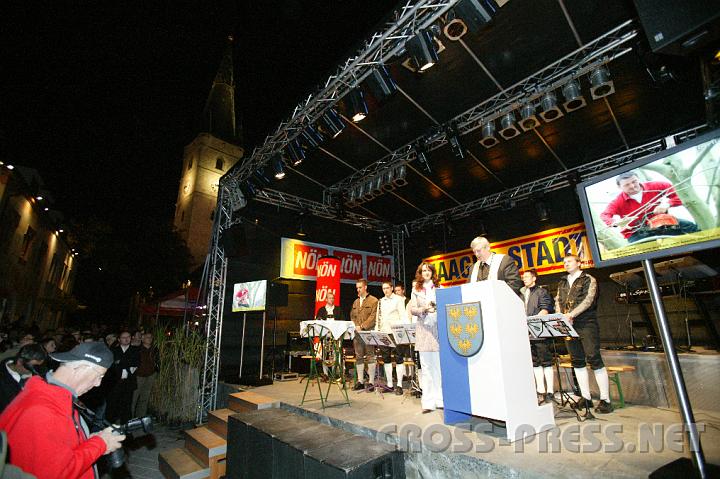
column 480, row 241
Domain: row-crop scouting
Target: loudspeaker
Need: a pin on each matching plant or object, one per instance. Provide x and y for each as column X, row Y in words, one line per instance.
column 233, row 241
column 679, row 28
column 277, row 294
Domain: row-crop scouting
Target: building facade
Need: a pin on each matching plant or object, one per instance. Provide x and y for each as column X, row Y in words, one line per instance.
column 37, row 266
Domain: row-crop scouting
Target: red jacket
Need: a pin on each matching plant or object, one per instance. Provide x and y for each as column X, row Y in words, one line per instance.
column 623, row 205
column 45, row 436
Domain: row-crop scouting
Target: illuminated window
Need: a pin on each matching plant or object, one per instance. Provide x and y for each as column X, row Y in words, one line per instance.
column 219, row 164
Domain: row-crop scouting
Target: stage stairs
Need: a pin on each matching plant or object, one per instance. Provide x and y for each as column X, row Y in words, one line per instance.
column 205, row 448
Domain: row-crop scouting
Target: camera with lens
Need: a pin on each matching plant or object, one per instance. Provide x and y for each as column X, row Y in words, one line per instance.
column 117, row 457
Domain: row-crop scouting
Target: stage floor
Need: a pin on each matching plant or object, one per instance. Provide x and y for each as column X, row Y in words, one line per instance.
column 628, row 443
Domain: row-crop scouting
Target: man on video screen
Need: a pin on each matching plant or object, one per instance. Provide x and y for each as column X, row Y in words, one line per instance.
column 644, row 210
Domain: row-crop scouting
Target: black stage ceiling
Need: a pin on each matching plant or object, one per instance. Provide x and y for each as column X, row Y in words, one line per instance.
column 525, row 36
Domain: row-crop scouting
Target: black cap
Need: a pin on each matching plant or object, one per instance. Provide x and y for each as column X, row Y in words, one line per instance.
column 93, row 352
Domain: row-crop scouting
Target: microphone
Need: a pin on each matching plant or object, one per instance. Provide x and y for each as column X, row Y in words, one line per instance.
column 467, row 269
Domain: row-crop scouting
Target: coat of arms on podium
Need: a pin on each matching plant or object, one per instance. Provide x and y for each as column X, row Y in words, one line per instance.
column 465, row 328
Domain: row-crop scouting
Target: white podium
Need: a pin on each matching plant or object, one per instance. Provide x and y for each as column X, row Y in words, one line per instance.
column 495, row 381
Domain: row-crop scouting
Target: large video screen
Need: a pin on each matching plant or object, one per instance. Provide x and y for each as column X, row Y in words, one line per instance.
column 249, row 296
column 662, row 205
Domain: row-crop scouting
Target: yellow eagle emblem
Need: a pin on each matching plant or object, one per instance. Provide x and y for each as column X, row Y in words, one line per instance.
column 472, row 329
column 456, row 329
column 464, row 345
column 454, row 313
column 470, row 312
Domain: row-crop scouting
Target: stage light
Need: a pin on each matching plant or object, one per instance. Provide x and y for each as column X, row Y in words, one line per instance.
column 331, row 123
column 46, row 209
column 377, row 185
column 297, row 154
column 508, row 129
column 10, row 167
column 507, row 204
column 278, row 166
column 310, row 137
column 262, row 180
column 542, row 211
column 357, row 106
column 454, row 140
column 249, row 189
column 385, row 244
column 421, row 48
column 550, row 111
column 388, row 179
column 358, row 192
column 468, row 15
column 301, row 223
column 528, row 119
column 600, row 83
column 39, row 198
column 422, row 155
column 380, row 83
column 573, row 98
column 488, row 135
column 367, row 190
column 400, row 174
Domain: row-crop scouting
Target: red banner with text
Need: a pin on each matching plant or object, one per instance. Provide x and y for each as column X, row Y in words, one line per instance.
column 328, row 280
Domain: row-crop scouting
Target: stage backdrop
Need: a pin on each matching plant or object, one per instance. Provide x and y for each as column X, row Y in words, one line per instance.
column 298, row 260
column 328, row 281
column 543, row 251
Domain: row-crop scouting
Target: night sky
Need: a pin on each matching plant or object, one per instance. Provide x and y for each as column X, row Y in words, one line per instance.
column 101, row 97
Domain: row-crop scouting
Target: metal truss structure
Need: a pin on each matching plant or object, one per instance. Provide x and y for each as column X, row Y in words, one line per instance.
column 600, row 51
column 550, row 183
column 398, row 252
column 382, row 46
column 321, row 210
column 216, row 271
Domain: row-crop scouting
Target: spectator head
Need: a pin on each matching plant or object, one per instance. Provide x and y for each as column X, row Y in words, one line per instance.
column 28, row 357
column 83, row 367
column 26, row 338
column 49, row 345
column 124, row 338
column 147, row 339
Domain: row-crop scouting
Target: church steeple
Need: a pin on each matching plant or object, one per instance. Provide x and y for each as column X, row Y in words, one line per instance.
column 218, row 117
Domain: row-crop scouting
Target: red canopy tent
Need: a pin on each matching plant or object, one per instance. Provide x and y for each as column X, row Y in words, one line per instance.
column 176, row 304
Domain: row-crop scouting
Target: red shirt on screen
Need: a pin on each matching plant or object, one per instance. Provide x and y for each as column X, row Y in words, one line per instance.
column 623, row 205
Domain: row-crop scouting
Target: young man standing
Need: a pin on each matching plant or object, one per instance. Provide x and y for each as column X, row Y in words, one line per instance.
column 538, row 301
column 363, row 313
column 577, row 299
column 391, row 310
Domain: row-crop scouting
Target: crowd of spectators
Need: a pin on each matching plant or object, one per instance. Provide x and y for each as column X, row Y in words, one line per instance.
column 124, row 366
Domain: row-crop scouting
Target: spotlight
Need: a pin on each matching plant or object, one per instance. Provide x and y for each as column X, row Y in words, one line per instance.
column 46, row 209
column 357, row 191
column 380, row 83
column 454, row 141
column 310, row 137
column 297, row 154
column 422, row 156
column 528, row 119
column 377, row 183
column 301, row 226
column 508, row 129
column 39, row 198
column 550, row 111
column 488, row 135
column 356, row 104
column 385, row 245
column 369, row 189
column 573, row 98
column 542, row 211
column 388, row 179
column 600, row 83
column 331, row 123
column 507, row 204
column 263, row 181
column 422, row 50
column 10, row 167
column 468, row 15
column 249, row 189
column 278, row 166
column 400, row 174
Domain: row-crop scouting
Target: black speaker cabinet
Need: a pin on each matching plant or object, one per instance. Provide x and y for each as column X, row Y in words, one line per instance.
column 233, row 241
column 679, row 27
column 274, row 443
column 277, row 294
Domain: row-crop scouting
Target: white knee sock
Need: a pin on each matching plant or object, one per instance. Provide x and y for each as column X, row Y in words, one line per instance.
column 388, row 374
column 399, row 370
column 325, row 369
column 549, row 379
column 539, row 380
column 371, row 373
column 583, row 382
column 361, row 372
column 601, row 376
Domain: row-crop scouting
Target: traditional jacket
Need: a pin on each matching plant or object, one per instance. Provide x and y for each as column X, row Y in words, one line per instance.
column 578, row 300
column 364, row 315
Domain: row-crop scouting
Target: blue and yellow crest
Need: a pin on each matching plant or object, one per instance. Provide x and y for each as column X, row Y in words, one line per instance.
column 465, row 328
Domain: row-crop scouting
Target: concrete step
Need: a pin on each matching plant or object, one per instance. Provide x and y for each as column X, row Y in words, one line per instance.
column 217, row 421
column 178, row 463
column 205, row 445
column 250, row 401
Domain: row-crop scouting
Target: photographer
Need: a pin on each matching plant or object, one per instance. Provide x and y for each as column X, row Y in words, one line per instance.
column 46, row 434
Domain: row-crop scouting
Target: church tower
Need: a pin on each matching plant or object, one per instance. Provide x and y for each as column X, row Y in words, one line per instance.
column 209, row 156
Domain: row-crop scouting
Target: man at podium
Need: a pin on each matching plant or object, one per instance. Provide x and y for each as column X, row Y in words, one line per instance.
column 490, row 265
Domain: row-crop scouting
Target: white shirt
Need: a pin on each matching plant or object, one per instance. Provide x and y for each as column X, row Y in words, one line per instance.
column 15, row 375
column 390, row 311
column 330, row 314
column 572, row 277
